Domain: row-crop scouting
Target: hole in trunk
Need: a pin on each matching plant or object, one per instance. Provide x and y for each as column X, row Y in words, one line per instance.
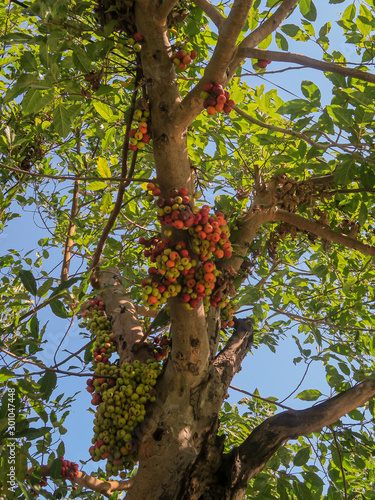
column 158, row 434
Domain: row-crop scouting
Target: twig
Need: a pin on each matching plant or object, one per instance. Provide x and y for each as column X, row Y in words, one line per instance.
column 341, row 465
column 75, row 178
column 121, row 189
column 260, row 397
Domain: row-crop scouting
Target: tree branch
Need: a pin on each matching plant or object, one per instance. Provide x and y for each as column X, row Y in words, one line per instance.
column 262, row 32
column 248, row 459
column 211, row 11
column 106, row 488
column 324, row 232
column 270, row 25
column 162, row 13
column 229, row 360
column 123, row 185
column 75, row 178
column 286, row 131
column 122, row 313
column 241, row 244
column 217, row 69
column 272, row 55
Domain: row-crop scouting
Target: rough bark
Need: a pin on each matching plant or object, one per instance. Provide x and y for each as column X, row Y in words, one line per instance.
column 123, row 316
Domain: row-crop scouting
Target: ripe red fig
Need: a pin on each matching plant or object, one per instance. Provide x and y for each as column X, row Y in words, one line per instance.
column 208, row 87
column 221, row 99
column 262, row 63
column 218, row 89
column 138, row 37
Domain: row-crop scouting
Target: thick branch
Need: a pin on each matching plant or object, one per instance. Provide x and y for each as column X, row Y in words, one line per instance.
column 324, row 232
column 243, row 241
column 211, row 11
column 229, row 360
column 272, row 55
column 123, row 315
column 217, row 69
column 270, row 25
column 262, row 32
column 162, row 13
column 247, row 460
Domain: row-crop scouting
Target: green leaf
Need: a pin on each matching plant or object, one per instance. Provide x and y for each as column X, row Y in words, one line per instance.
column 35, row 100
column 88, row 357
column 281, row 41
column 28, row 281
column 103, row 167
column 106, row 203
column 56, row 469
column 309, row 395
column 22, row 84
column 96, row 186
column 81, row 60
column 346, row 171
column 310, row 91
column 363, row 214
column 34, row 325
column 45, row 287
column 61, row 120
column 302, row 456
column 103, row 109
column 308, row 9
column 32, row 433
column 58, row 309
column 28, row 62
column 5, row 375
column 64, row 285
column 344, row 117
column 20, row 465
column 47, row 384
column 349, row 12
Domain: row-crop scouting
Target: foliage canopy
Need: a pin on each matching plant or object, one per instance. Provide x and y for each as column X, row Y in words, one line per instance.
column 291, row 169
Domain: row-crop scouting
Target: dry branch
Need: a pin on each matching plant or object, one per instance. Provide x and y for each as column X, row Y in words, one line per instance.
column 72, row 227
